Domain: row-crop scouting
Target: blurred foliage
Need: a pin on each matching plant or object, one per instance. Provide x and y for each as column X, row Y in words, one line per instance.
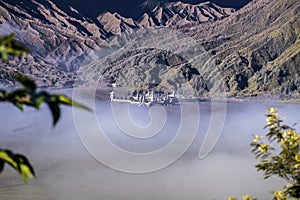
column 247, row 197
column 279, row 155
column 9, row 46
column 281, row 159
column 30, row 96
column 18, row 162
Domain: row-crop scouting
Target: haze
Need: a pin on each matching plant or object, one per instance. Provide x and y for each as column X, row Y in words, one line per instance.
column 65, row 169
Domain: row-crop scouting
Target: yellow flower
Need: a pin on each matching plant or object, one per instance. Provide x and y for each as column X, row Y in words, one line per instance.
column 232, row 198
column 297, row 158
column 272, row 110
column 279, row 194
column 269, row 123
column 295, row 137
column 290, row 132
column 285, row 134
column 256, row 138
column 247, row 197
column 288, row 186
column 271, row 119
column 263, row 148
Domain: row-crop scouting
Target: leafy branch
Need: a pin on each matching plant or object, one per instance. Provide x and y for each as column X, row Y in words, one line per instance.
column 9, row 46
column 28, row 95
column 18, row 162
column 279, row 155
column 284, row 161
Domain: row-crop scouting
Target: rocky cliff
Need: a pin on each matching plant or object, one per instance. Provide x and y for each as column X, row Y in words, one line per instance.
column 60, row 38
column 255, row 50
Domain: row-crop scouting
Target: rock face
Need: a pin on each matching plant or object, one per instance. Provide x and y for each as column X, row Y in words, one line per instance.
column 57, row 40
column 179, row 14
column 255, row 50
column 61, row 38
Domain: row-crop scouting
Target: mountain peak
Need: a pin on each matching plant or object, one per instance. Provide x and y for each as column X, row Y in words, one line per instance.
column 60, row 34
column 183, row 14
column 254, row 55
column 114, row 23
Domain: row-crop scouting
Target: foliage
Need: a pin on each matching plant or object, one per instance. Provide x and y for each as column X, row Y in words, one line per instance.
column 279, row 155
column 284, row 161
column 30, row 96
column 9, row 46
column 247, row 197
column 18, row 162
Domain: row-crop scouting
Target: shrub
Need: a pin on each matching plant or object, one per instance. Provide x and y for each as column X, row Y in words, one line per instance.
column 281, row 159
column 279, row 155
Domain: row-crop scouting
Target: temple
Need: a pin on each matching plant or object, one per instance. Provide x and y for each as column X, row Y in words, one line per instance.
column 144, row 98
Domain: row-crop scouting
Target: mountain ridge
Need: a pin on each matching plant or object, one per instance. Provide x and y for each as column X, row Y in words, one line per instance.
column 255, row 48
column 178, row 13
column 262, row 54
column 50, row 28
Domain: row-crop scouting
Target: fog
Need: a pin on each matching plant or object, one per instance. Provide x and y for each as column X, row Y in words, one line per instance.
column 66, row 169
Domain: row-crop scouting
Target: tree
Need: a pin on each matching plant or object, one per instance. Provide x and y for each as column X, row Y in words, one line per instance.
column 283, row 162
column 27, row 95
column 279, row 155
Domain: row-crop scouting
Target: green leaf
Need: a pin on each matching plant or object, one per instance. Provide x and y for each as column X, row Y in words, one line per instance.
column 6, row 156
column 16, row 94
column 55, row 111
column 294, row 191
column 27, row 82
column 3, row 94
column 25, row 172
column 64, row 99
column 1, row 165
column 38, row 101
column 68, row 101
column 9, row 46
column 19, row 105
column 7, row 39
column 19, row 47
column 79, row 105
column 4, row 56
column 25, row 168
column 18, row 162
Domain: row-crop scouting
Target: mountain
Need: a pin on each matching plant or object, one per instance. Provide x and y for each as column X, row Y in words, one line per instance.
column 254, row 50
column 257, row 48
column 180, row 14
column 57, row 40
column 61, row 38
